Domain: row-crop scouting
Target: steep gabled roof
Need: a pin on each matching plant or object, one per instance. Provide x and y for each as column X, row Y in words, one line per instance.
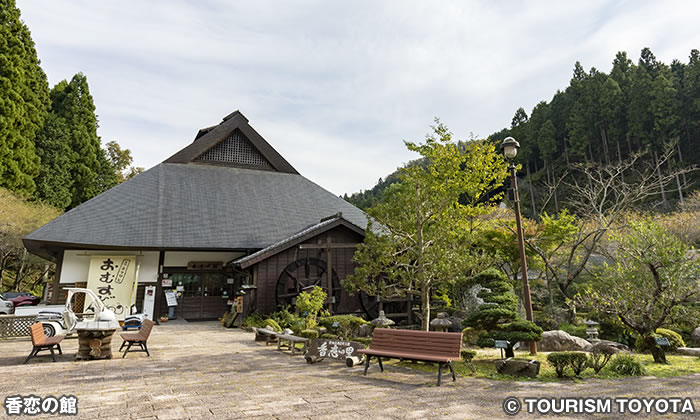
column 208, row 138
column 299, row 237
column 189, row 202
column 196, row 207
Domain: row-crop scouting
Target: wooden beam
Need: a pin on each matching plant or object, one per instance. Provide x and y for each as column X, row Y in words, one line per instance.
column 326, row 246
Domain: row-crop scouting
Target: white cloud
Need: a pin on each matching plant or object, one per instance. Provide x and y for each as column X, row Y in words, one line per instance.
column 335, row 86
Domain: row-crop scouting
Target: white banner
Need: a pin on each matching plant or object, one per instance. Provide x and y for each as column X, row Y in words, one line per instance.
column 113, row 279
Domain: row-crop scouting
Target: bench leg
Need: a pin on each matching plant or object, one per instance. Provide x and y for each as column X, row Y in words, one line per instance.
column 145, row 347
column 381, row 366
column 58, row 346
column 31, row 354
column 439, row 372
column 452, row 370
column 366, row 363
column 128, row 347
column 122, row 346
column 53, row 355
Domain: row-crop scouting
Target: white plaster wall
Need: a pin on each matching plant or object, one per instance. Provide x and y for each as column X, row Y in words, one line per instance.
column 181, row 258
column 76, row 264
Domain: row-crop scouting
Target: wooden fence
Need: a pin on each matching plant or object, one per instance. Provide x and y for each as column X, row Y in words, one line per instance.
column 15, row 326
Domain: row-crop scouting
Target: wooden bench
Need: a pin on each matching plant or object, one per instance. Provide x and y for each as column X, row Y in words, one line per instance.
column 289, row 341
column 424, row 346
column 140, row 338
column 41, row 342
column 266, row 335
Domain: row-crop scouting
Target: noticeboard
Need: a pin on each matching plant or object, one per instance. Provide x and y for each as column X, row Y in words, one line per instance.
column 501, row 344
column 171, row 298
column 662, row 341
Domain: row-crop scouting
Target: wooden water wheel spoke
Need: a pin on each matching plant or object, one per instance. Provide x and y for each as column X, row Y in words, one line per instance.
column 303, row 275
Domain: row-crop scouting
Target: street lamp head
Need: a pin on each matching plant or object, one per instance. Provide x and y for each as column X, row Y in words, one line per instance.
column 510, row 147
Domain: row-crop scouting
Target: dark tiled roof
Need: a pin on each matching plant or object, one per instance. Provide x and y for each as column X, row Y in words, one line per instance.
column 298, row 237
column 194, row 206
column 209, row 137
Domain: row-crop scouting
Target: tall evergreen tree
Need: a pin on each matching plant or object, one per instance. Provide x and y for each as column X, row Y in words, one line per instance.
column 90, row 169
column 54, row 183
column 23, row 101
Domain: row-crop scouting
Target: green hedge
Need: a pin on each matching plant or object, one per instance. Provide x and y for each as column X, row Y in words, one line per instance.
column 310, row 334
column 674, row 339
column 347, row 324
column 577, row 361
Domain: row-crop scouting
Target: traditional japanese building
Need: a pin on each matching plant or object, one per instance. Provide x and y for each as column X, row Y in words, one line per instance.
column 223, row 215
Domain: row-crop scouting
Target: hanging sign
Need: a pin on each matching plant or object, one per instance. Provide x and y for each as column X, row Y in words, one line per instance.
column 113, row 279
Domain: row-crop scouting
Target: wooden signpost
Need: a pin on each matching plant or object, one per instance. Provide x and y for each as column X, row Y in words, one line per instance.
column 322, row 348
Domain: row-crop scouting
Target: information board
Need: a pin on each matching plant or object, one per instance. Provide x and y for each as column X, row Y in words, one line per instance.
column 171, row 298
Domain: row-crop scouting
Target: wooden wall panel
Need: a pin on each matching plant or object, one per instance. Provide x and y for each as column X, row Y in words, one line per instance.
column 270, row 269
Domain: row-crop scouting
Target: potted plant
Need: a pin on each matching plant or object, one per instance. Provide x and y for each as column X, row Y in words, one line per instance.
column 164, row 318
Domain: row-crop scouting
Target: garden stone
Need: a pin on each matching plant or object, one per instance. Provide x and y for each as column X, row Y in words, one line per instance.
column 695, row 337
column 688, row 351
column 287, row 331
column 364, row 330
column 456, row 325
column 606, row 345
column 518, row 367
column 559, row 340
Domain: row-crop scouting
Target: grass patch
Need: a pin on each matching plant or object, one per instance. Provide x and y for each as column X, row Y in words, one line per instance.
column 483, row 362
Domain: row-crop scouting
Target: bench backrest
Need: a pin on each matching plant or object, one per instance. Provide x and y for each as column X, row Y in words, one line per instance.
column 146, row 328
column 37, row 331
column 440, row 344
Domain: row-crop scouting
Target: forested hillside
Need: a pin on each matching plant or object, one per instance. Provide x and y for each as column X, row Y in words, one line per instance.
column 635, row 116
column 49, row 147
column 51, row 158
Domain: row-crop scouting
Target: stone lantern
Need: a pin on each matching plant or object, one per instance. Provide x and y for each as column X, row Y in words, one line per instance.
column 592, row 331
column 441, row 323
column 382, row 321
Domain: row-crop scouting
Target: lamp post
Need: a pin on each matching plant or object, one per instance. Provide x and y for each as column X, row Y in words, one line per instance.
column 510, row 150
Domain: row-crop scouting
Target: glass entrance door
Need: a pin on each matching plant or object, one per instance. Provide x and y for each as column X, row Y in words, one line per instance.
column 202, row 295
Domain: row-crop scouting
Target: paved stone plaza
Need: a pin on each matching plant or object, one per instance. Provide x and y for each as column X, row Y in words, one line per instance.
column 202, row 370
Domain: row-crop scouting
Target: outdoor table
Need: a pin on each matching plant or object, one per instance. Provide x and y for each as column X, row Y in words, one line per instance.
column 95, row 339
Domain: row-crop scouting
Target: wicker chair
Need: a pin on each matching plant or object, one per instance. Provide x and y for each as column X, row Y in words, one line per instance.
column 139, row 338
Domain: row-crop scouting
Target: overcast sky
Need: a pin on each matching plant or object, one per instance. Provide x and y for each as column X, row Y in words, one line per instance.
column 336, row 86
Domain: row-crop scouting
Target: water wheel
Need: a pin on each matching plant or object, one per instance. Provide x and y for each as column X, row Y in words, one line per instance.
column 397, row 308
column 300, row 276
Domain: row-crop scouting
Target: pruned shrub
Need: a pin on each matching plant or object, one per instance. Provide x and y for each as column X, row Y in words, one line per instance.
column 674, row 340
column 272, row 324
column 626, row 364
column 329, row 336
column 468, row 357
column 364, row 340
column 560, row 360
column 253, row 320
column 470, row 336
column 310, row 334
column 579, row 362
column 599, row 357
column 346, row 326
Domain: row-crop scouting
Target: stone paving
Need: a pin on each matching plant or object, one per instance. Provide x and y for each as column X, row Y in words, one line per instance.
column 204, row 371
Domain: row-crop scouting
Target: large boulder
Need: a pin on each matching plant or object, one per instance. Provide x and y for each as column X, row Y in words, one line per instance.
column 695, row 337
column 688, row 351
column 517, row 367
column 559, row 340
column 607, row 346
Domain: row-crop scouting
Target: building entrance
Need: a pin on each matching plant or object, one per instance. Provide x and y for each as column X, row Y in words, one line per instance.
column 204, row 296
